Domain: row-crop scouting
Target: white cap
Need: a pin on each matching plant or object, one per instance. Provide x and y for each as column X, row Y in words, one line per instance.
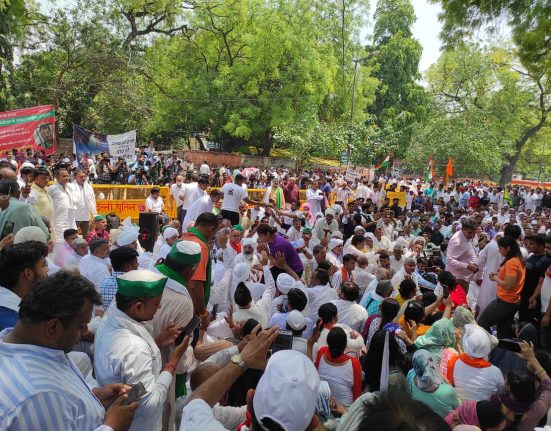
column 334, row 243
column 288, row 391
column 30, row 233
column 247, row 241
column 170, row 232
column 476, row 343
column 241, row 272
column 114, row 235
column 284, row 283
column 127, row 237
column 295, row 320
column 330, row 211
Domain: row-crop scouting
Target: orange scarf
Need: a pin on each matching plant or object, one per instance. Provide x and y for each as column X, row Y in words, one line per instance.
column 356, row 368
column 236, row 247
column 466, row 359
column 345, row 276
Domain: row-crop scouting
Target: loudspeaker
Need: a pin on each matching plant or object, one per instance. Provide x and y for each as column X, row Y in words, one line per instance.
column 149, row 230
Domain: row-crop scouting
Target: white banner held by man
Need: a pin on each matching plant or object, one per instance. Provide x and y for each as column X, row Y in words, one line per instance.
column 352, row 174
column 123, row 145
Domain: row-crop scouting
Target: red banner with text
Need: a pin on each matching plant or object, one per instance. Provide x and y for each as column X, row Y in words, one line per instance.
column 28, row 128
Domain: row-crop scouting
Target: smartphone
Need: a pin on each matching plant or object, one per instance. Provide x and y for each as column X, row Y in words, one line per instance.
column 8, row 228
column 284, row 341
column 214, row 310
column 510, row 344
column 135, row 393
column 188, row 330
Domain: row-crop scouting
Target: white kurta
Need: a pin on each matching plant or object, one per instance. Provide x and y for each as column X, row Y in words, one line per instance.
column 94, row 269
column 200, row 206
column 85, row 200
column 489, row 260
column 64, row 210
column 125, row 352
column 314, row 198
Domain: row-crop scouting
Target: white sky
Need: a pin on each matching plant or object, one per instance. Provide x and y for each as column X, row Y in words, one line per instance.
column 425, row 30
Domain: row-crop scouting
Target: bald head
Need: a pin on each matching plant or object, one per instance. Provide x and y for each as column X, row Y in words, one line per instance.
column 8, row 174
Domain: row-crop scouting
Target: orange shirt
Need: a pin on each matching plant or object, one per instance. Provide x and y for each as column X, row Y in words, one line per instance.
column 201, row 273
column 513, row 267
column 421, row 329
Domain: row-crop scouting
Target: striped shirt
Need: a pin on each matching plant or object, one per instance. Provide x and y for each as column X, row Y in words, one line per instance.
column 108, row 289
column 43, row 390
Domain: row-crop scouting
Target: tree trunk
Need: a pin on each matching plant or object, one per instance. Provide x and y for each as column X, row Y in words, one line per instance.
column 267, row 144
column 508, row 169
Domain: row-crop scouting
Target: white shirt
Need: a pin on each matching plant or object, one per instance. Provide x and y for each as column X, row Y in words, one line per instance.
column 314, row 198
column 175, row 191
column 85, row 200
column 546, row 290
column 489, row 261
column 261, row 311
column 200, row 206
column 94, row 268
column 189, row 193
column 154, row 205
column 351, row 314
column 125, row 352
column 204, row 169
column 340, row 379
column 317, row 296
column 400, row 276
column 64, row 214
column 476, row 383
column 395, row 264
column 233, row 195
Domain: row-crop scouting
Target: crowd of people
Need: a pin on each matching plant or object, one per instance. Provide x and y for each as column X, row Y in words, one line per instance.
column 344, row 308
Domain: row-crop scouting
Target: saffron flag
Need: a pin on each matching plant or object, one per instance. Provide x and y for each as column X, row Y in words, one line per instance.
column 384, row 164
column 449, row 168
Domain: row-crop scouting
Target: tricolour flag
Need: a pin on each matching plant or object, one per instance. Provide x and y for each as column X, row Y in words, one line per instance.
column 384, row 164
column 429, row 173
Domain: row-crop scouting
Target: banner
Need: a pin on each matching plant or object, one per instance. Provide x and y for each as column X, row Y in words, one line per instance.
column 28, row 128
column 87, row 142
column 352, row 174
column 401, row 196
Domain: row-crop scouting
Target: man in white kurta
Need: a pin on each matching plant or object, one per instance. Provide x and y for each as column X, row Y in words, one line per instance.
column 125, row 350
column 93, row 266
column 176, row 308
column 85, row 201
column 64, row 206
column 489, row 261
column 204, row 204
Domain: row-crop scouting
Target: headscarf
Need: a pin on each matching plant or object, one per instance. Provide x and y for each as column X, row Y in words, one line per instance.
column 426, row 370
column 462, row 316
column 437, row 338
column 476, row 343
column 356, row 412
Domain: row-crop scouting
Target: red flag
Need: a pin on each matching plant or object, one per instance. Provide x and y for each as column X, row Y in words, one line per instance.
column 449, row 168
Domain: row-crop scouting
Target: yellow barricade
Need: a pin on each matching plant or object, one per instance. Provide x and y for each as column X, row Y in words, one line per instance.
column 129, row 201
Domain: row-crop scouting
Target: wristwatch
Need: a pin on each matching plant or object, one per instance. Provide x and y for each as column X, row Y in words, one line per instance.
column 238, row 360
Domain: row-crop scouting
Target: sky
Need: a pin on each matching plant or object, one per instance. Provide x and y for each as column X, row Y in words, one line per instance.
column 426, row 29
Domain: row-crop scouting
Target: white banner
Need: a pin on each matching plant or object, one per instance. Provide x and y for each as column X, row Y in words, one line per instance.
column 123, row 145
column 352, row 174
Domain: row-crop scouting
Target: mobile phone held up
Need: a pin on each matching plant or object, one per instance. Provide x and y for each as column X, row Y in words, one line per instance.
column 510, row 344
column 188, row 330
column 135, row 393
column 284, row 341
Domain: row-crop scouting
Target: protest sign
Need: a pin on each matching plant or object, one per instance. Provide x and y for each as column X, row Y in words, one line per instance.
column 87, row 142
column 28, row 128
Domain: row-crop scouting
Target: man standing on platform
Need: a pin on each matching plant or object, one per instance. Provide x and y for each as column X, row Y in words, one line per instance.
column 39, row 197
column 234, row 193
column 85, row 201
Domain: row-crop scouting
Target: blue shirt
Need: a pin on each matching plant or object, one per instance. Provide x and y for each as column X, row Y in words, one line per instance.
column 42, row 389
column 108, row 289
column 8, row 318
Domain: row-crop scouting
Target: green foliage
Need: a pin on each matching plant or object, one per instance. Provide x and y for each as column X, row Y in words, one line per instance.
column 400, row 100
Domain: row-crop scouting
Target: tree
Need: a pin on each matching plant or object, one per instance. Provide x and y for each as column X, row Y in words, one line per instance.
column 475, row 88
column 400, row 100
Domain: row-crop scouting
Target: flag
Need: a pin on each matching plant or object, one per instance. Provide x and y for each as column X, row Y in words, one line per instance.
column 384, row 164
column 449, row 168
column 429, row 173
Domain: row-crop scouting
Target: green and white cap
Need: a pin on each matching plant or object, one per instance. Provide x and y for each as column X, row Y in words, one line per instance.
column 186, row 252
column 141, row 283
